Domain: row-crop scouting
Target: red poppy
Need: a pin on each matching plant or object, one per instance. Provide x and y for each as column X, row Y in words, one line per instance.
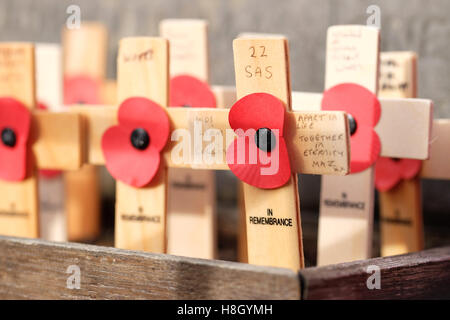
column 47, row 173
column 364, row 108
column 188, row 91
column 258, row 156
column 132, row 148
column 389, row 172
column 81, row 90
column 15, row 121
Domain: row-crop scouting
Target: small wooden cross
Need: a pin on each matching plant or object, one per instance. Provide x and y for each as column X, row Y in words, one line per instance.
column 401, row 207
column 55, row 142
column 191, row 216
column 84, row 73
column 346, row 209
column 140, row 212
column 401, row 222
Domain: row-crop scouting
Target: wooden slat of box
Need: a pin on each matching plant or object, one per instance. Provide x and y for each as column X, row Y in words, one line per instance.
column 36, row 269
column 420, row 275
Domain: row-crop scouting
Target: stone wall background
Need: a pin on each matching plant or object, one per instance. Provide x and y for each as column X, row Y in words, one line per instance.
column 418, row 25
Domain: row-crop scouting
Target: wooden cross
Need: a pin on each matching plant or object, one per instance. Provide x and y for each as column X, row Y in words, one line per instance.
column 84, row 60
column 140, row 212
column 55, row 142
column 49, row 90
column 401, row 222
column 401, row 207
column 191, row 219
column 346, row 210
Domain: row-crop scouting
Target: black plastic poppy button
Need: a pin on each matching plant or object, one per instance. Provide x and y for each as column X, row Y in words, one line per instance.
column 140, row 139
column 352, row 124
column 8, row 137
column 265, row 139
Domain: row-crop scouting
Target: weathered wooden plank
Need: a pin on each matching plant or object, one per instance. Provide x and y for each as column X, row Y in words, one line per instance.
column 421, row 275
column 36, row 269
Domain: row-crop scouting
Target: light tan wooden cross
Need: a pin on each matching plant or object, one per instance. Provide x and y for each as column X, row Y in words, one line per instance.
column 401, row 222
column 401, row 207
column 55, row 142
column 147, row 76
column 191, row 214
column 84, row 55
column 346, row 207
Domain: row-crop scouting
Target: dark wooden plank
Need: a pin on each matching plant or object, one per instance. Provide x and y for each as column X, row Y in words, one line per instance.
column 35, row 269
column 421, row 275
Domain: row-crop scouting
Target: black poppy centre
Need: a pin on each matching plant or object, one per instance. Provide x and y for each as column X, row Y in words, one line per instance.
column 265, row 139
column 140, row 139
column 352, row 124
column 8, row 137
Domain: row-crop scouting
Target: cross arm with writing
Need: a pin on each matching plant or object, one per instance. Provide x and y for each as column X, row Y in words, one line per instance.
column 317, row 144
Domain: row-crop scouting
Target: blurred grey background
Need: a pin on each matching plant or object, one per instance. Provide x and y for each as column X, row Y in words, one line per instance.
column 418, row 25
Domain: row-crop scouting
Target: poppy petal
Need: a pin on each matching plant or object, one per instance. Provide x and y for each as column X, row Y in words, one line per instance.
column 387, row 174
column 14, row 115
column 365, row 108
column 186, row 90
column 272, row 172
column 13, row 159
column 126, row 163
column 13, row 163
column 365, row 149
column 409, row 168
column 139, row 112
column 81, row 90
column 361, row 103
column 257, row 110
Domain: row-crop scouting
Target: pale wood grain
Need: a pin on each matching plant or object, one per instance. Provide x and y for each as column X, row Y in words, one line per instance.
column 345, row 232
column 143, row 70
column 49, row 91
column 85, row 50
column 84, row 54
column 438, row 166
column 191, row 211
column 401, row 223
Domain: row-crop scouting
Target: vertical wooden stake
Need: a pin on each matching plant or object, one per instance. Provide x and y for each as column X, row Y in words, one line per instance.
column 49, row 86
column 192, row 198
column 401, row 207
column 345, row 233
column 143, row 70
column 269, row 245
column 85, row 56
column 19, row 214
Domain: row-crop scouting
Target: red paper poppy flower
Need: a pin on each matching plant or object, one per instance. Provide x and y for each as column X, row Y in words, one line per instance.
column 132, row 148
column 14, row 126
column 47, row 173
column 188, row 91
column 81, row 90
column 364, row 112
column 258, row 156
column 389, row 172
